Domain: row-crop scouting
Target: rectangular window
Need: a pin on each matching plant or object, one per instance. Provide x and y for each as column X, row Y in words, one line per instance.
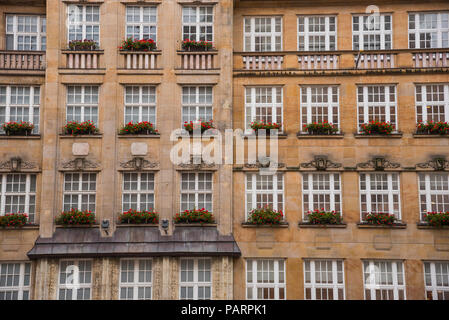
column 428, row 30
column 198, row 23
column 18, row 194
column 136, row 279
column 324, row 280
column 371, row 32
column 20, row 103
column 195, row 279
column 83, row 22
column 432, row 102
column 26, row 32
column 196, row 104
column 321, row 191
column 319, row 104
column 263, row 34
column 196, row 191
column 75, row 280
column 138, row 191
column 141, row 22
column 79, row 191
column 379, row 193
column 317, row 33
column 384, row 280
column 15, row 278
column 263, row 104
column 265, row 279
column 436, row 278
column 82, row 103
column 376, row 103
column 140, row 104
column 433, row 192
column 264, row 190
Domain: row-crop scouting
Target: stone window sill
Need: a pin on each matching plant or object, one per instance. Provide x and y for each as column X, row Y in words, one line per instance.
column 81, row 136
column 282, row 135
column 129, row 136
column 301, row 135
column 318, row 226
column 25, row 227
column 423, row 225
column 430, row 136
column 251, row 225
column 78, row 226
column 377, row 136
column 195, row 224
column 362, row 225
column 121, row 225
column 33, row 136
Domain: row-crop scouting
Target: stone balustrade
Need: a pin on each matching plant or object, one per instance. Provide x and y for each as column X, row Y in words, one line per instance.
column 22, row 60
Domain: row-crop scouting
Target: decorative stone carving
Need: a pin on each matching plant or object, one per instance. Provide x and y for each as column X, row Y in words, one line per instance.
column 80, row 164
column 437, row 163
column 80, row 149
column 320, row 163
column 138, row 163
column 17, row 164
column 264, row 162
column 378, row 163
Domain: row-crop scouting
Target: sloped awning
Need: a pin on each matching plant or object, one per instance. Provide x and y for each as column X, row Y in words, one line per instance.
column 134, row 241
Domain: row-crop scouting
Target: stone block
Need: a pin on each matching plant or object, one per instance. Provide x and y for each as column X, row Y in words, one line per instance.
column 139, row 149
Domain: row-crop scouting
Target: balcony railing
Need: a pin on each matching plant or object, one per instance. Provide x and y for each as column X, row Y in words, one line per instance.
column 431, row 59
column 82, row 59
column 318, row 61
column 140, row 60
column 261, row 62
column 374, row 60
column 202, row 60
column 22, row 60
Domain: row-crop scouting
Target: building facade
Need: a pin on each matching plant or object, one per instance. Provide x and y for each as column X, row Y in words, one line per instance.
column 293, row 63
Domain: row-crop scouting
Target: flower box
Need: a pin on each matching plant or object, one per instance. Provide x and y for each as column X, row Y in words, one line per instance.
column 192, row 45
column 143, row 127
column 265, row 216
column 376, row 128
column 379, row 218
column 82, row 45
column 322, row 217
column 203, row 125
column 131, row 44
column 194, row 216
column 437, row 219
column 139, row 217
column 77, row 128
column 432, row 128
column 262, row 125
column 75, row 217
column 21, row 128
column 13, row 220
column 320, row 128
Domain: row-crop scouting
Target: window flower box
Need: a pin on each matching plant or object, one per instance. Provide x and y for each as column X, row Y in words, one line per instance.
column 17, row 220
column 131, row 44
column 377, row 128
column 143, row 127
column 194, row 216
column 75, row 217
column 194, row 125
column 320, row 128
column 139, row 217
column 76, row 128
column 322, row 217
column 82, row 45
column 432, row 128
column 437, row 219
column 262, row 125
column 265, row 216
column 21, row 128
column 192, row 45
column 380, row 218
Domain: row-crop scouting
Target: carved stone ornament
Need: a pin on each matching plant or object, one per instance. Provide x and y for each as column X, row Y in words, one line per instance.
column 79, row 164
column 17, row 164
column 378, row 163
column 438, row 164
column 138, row 163
column 264, row 162
column 320, row 163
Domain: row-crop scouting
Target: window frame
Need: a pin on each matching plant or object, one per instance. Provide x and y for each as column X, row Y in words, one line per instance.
column 79, row 192
column 252, row 106
column 136, row 285
column 198, row 24
column 417, row 31
column 424, row 104
column 254, row 284
column 141, row 105
column 195, row 284
column 76, row 287
column 83, row 105
column 396, row 287
column 197, row 191
column 141, row 24
column 252, row 34
column 254, row 192
column 307, row 34
column 40, row 35
column 139, row 192
column 335, row 286
column 434, row 288
column 27, row 194
column 21, row 288
column 381, row 32
column 186, row 91
column 308, row 105
column 84, row 23
column 427, row 192
column 332, row 192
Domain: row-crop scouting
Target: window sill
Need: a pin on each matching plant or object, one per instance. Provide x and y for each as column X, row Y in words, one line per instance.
column 129, row 136
column 430, row 136
column 320, row 226
column 82, row 51
column 282, row 135
column 25, row 227
column 423, row 225
column 33, row 136
column 362, row 225
column 377, row 136
column 78, row 226
column 301, row 135
column 251, row 225
column 122, row 225
column 83, row 136
column 196, row 224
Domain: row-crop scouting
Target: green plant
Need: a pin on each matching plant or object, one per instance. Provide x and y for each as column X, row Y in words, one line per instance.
column 265, row 215
column 377, row 127
column 437, row 219
column 143, row 127
column 82, row 45
column 18, row 128
column 13, row 220
column 75, row 128
column 75, row 217
column 432, row 127
column 131, row 44
column 260, row 124
column 194, row 216
column 204, row 125
column 378, row 218
column 320, row 128
column 139, row 217
column 192, row 45
column 323, row 217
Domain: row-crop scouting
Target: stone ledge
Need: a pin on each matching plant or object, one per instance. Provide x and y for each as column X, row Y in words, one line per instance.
column 25, row 227
column 320, row 136
column 77, row 226
column 429, row 227
column 130, row 136
column 320, row 226
column 378, row 136
column 430, row 136
column 195, row 224
column 121, row 225
column 374, row 226
column 283, row 135
column 34, row 137
column 251, row 225
column 84, row 136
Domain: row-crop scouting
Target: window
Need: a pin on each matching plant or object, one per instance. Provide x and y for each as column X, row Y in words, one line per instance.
column 264, row 190
column 82, row 103
column 376, row 103
column 379, row 193
column 15, row 280
column 432, row 102
column 195, row 279
column 196, row 191
column 83, row 22
column 141, row 22
column 75, row 280
column 265, row 279
column 18, row 194
column 136, row 279
column 317, row 33
column 26, row 32
column 321, row 191
column 263, row 104
column 371, row 32
column 20, row 103
column 324, row 280
column 263, row 34
column 319, row 104
column 384, row 280
column 196, row 104
column 433, row 192
column 138, row 191
column 436, row 278
column 428, row 30
column 79, row 191
column 140, row 104
column 198, row 23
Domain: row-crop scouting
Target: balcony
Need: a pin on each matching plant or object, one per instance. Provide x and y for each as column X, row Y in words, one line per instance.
column 318, row 61
column 22, row 61
column 77, row 59
column 431, row 59
column 364, row 60
column 139, row 60
column 263, row 62
column 198, row 60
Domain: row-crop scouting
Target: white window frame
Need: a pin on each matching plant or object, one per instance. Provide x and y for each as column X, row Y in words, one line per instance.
column 40, row 34
column 22, row 288
column 337, row 287
column 27, row 194
column 198, row 24
column 80, row 192
column 141, row 24
column 138, row 192
column 151, row 104
column 75, row 286
column 252, row 283
column 382, row 31
column 372, row 278
column 205, row 93
column 83, row 104
column 197, row 191
column 306, row 95
column 251, row 105
column 253, row 192
column 196, row 283
column 252, row 34
column 390, row 192
column 417, row 31
column 33, row 108
column 432, row 287
column 327, row 33
column 423, row 103
column 387, row 104
column 308, row 181
column 136, row 284
column 84, row 23
column 426, row 193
